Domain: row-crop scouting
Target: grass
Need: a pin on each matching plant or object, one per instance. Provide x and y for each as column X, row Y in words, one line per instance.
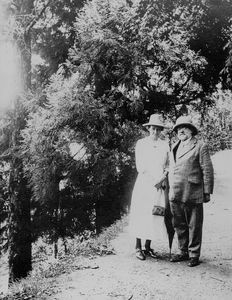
column 41, row 283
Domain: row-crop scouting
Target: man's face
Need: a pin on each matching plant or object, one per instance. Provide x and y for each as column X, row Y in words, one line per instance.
column 184, row 133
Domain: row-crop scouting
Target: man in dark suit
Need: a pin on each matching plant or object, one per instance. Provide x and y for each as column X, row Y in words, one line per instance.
column 191, row 179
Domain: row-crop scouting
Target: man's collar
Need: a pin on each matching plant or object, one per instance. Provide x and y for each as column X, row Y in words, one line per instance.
column 193, row 140
column 186, row 142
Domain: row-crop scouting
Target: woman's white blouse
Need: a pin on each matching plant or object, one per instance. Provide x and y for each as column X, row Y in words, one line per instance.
column 151, row 158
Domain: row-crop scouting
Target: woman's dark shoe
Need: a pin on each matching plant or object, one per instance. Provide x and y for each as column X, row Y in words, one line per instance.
column 194, row 261
column 140, row 255
column 179, row 257
column 151, row 253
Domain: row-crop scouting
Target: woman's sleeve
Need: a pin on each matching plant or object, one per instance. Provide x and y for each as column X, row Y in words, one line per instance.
column 167, row 160
column 140, row 166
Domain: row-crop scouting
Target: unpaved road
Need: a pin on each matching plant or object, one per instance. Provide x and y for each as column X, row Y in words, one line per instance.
column 124, row 277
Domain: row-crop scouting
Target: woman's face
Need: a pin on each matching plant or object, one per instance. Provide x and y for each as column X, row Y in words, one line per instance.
column 154, row 131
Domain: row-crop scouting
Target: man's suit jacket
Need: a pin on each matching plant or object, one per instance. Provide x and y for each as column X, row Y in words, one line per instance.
column 190, row 173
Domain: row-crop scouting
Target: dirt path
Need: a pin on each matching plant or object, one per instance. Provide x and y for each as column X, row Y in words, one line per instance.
column 123, row 277
column 3, row 275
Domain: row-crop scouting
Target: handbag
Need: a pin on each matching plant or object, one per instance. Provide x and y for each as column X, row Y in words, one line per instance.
column 159, row 206
column 158, row 210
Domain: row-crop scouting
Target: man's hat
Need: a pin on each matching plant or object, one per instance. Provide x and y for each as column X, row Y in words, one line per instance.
column 185, row 120
column 156, row 120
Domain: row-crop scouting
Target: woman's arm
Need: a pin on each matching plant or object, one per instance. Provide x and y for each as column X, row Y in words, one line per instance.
column 162, row 182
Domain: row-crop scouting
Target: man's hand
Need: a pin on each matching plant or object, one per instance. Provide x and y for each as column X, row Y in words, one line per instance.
column 206, row 198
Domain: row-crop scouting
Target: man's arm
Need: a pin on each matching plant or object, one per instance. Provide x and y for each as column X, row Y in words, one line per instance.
column 208, row 172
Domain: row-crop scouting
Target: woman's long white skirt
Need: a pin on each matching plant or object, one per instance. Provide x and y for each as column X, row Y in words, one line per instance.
column 142, row 224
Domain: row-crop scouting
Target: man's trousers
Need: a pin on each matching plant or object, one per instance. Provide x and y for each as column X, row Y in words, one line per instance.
column 188, row 222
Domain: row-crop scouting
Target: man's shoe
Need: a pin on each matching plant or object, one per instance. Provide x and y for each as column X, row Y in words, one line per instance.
column 140, row 255
column 179, row 257
column 151, row 253
column 194, row 261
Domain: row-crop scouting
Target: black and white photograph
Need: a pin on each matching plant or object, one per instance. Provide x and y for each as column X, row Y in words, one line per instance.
column 116, row 149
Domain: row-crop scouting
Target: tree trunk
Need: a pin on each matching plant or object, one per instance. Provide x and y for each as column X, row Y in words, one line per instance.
column 20, row 225
column 20, row 243
column 56, row 249
column 23, row 42
column 57, row 215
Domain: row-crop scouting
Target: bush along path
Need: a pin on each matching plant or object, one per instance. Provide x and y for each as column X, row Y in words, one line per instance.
column 115, row 273
column 42, row 282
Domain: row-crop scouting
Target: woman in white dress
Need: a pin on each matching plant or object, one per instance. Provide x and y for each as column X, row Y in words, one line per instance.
column 151, row 154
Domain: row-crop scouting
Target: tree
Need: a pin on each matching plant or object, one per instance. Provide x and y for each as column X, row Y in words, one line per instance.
column 210, row 38
column 4, row 209
column 60, row 207
column 74, row 115
column 216, row 128
column 26, row 17
column 19, row 224
column 53, row 35
column 140, row 53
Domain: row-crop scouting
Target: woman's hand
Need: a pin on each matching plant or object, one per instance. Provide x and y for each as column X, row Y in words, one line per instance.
column 158, row 185
column 161, row 184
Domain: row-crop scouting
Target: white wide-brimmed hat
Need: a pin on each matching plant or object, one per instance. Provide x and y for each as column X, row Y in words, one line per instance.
column 156, row 120
column 185, row 120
